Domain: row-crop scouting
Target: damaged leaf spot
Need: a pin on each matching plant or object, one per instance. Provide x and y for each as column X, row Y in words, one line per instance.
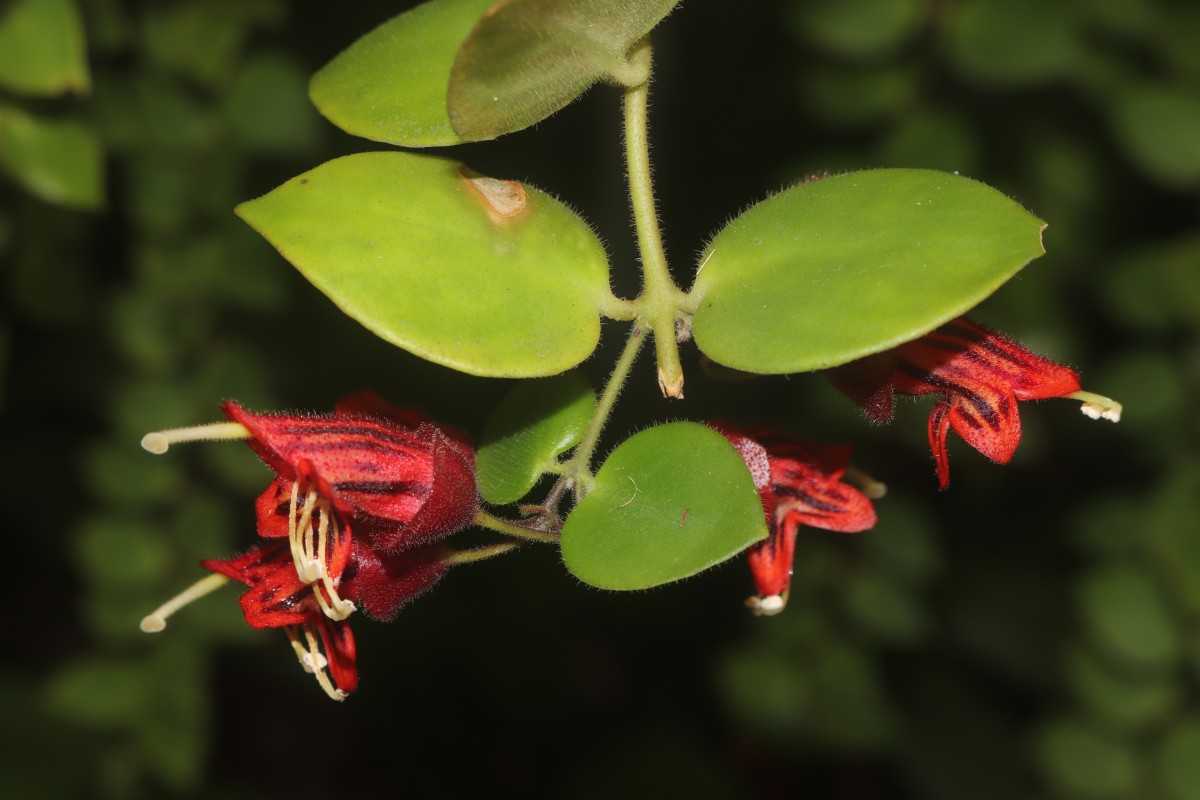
column 503, row 198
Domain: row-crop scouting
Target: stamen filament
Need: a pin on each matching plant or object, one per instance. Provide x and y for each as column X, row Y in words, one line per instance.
column 872, row 488
column 157, row 621
column 312, row 660
column 300, row 534
column 335, row 608
column 1097, row 406
column 159, row 441
column 307, row 662
column 341, row 608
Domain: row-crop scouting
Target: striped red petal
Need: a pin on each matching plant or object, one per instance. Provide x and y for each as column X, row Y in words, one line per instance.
column 276, row 596
column 801, row 486
column 369, row 465
column 978, row 373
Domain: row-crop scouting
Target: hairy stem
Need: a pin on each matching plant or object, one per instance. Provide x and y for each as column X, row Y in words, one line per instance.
column 576, row 471
column 661, row 298
column 485, row 520
column 480, row 553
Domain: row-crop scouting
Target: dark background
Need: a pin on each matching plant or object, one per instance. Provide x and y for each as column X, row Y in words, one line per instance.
column 1030, row 633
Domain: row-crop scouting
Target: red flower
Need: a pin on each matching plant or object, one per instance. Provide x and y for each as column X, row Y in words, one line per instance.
column 414, row 481
column 362, row 496
column 978, row 374
column 278, row 598
column 799, row 484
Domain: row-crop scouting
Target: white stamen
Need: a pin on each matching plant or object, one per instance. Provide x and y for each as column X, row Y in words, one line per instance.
column 158, row 442
column 306, row 661
column 301, row 534
column 312, row 660
column 338, row 610
column 157, row 621
column 309, row 570
column 1097, row 406
column 1100, row 412
column 766, row 606
column 872, row 488
column 310, row 548
column 341, row 608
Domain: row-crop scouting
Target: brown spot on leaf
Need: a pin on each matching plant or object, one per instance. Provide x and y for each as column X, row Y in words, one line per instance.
column 502, row 198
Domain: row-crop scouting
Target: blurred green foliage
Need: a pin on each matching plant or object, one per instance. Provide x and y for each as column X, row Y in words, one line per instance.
column 1032, row 632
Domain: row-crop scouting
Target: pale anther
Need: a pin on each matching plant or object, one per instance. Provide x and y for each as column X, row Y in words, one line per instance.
column 307, row 662
column 1097, row 406
column 872, row 488
column 766, row 606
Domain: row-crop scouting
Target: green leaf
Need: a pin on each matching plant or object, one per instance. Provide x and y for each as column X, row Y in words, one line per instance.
column 1126, row 703
column 121, row 551
column 526, row 59
column 267, row 108
column 99, row 692
column 838, row 268
column 485, row 276
column 390, row 85
column 858, row 28
column 174, row 732
column 1159, row 126
column 887, row 610
column 204, row 40
column 1081, row 762
column 668, row 503
column 534, row 424
column 1178, row 760
column 58, row 160
column 1127, row 617
column 1014, row 41
column 42, row 47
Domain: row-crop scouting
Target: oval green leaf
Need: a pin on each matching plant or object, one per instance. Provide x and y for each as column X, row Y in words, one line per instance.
column 1126, row 615
column 1159, row 127
column 838, row 268
column 668, row 503
column 60, row 161
column 527, row 59
column 42, row 48
column 534, row 424
column 390, row 85
column 484, row 276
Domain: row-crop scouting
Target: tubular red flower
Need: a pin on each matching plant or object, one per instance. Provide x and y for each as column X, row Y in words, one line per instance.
column 276, row 598
column 799, row 484
column 353, row 520
column 979, row 374
column 394, row 468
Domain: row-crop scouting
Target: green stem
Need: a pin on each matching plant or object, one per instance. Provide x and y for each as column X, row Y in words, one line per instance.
column 661, row 298
column 614, row 307
column 485, row 520
column 480, row 553
column 576, row 471
column 616, row 381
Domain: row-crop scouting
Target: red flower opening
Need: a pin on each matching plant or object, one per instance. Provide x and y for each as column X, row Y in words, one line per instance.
column 980, row 376
column 352, row 521
column 799, row 484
